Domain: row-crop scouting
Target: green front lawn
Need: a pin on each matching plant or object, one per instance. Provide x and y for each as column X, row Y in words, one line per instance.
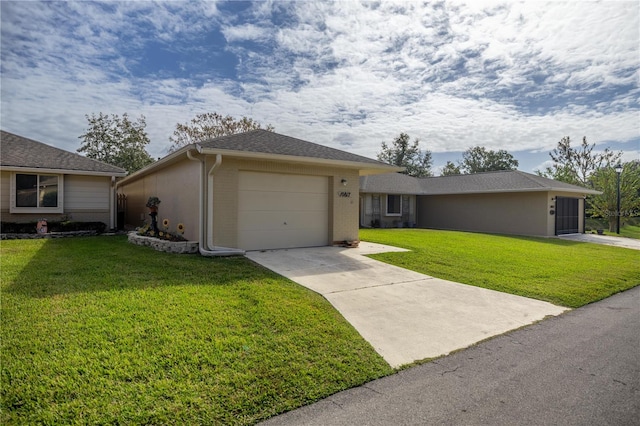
column 99, row 331
column 630, row 231
column 562, row 272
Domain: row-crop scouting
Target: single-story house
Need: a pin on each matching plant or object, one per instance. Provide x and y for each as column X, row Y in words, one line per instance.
column 40, row 181
column 253, row 191
column 505, row 202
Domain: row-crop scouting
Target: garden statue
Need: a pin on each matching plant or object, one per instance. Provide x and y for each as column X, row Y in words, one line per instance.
column 152, row 203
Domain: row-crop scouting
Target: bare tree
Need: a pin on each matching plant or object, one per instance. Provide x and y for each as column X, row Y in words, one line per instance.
column 210, row 125
column 576, row 165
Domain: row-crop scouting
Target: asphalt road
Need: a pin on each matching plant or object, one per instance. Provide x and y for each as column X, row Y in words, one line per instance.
column 580, row 368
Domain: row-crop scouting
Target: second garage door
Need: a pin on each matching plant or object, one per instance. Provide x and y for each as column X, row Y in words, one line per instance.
column 282, row 211
column 567, row 216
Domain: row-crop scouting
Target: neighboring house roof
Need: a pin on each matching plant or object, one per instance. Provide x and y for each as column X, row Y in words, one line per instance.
column 390, row 183
column 20, row 153
column 265, row 145
column 478, row 183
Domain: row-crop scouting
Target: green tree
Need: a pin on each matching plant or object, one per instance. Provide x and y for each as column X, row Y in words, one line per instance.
column 210, row 125
column 116, row 141
column 605, row 205
column 450, row 169
column 405, row 154
column 478, row 159
column 576, row 165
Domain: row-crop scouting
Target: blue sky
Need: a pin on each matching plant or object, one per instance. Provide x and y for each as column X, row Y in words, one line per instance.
column 504, row 75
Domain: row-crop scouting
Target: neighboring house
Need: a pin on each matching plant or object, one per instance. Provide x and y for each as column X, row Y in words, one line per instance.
column 506, row 202
column 41, row 181
column 254, row 191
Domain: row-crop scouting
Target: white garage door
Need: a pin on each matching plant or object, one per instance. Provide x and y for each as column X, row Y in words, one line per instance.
column 282, row 211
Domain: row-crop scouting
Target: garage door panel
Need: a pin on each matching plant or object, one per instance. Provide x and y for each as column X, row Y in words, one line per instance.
column 280, row 239
column 282, row 211
column 256, row 181
column 270, row 201
column 271, row 220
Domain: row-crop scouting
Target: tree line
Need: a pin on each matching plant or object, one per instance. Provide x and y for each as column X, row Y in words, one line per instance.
column 582, row 166
column 121, row 141
column 418, row 163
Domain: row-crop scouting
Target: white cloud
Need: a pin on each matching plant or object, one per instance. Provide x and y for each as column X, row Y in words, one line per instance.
column 515, row 76
column 244, row 32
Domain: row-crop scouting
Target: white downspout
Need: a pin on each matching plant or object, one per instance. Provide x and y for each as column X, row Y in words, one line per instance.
column 112, row 203
column 206, row 209
column 209, row 198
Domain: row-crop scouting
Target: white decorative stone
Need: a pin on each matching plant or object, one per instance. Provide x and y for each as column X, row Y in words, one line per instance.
column 180, row 247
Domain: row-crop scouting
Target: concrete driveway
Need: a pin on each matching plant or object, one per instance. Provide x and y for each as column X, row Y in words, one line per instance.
column 404, row 315
column 608, row 240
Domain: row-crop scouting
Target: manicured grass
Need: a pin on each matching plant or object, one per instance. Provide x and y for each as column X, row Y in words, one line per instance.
column 562, row 272
column 98, row 331
column 630, row 231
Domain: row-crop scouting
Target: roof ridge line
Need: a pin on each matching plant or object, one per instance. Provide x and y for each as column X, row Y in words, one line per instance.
column 531, row 177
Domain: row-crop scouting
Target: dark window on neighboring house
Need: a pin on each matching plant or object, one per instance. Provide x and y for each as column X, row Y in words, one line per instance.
column 36, row 190
column 394, row 205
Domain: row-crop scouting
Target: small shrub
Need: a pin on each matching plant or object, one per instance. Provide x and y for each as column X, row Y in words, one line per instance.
column 53, row 226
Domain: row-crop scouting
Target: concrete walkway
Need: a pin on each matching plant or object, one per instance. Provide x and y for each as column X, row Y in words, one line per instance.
column 608, row 240
column 404, row 315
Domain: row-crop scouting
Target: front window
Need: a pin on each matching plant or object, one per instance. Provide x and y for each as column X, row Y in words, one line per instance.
column 394, row 205
column 34, row 192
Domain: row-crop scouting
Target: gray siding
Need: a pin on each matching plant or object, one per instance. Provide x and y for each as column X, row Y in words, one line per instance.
column 506, row 213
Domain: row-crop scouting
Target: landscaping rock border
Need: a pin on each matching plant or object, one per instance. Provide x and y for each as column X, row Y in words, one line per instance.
column 180, row 247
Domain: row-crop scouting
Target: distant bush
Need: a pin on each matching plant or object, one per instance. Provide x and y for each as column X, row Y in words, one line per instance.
column 66, row 226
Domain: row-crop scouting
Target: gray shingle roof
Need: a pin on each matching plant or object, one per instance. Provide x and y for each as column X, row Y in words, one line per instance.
column 18, row 151
column 390, row 183
column 503, row 181
column 266, row 142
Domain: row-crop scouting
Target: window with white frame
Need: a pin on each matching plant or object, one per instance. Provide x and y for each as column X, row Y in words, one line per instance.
column 394, row 205
column 32, row 193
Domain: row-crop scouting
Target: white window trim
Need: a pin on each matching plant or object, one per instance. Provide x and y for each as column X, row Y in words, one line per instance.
column 386, row 205
column 39, row 210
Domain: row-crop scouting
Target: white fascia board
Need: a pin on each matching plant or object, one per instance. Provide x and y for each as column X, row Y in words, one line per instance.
column 165, row 161
column 369, row 167
column 499, row 191
column 60, row 171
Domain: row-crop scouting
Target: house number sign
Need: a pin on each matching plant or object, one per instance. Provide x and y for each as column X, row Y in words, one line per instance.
column 344, row 194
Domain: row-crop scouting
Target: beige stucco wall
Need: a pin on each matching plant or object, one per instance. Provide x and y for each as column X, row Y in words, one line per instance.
column 86, row 199
column 504, row 213
column 366, row 212
column 177, row 188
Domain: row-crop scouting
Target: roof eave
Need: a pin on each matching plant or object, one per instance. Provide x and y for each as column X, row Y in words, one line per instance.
column 496, row 191
column 364, row 168
column 61, row 171
column 163, row 162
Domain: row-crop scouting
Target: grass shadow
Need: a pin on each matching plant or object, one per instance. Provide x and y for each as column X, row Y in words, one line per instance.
column 94, row 264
